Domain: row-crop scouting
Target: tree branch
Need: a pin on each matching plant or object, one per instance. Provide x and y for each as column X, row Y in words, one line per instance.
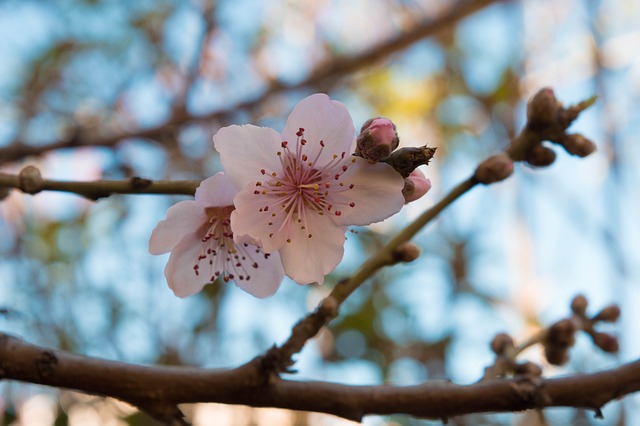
column 153, row 387
column 325, row 75
column 547, row 119
column 30, row 181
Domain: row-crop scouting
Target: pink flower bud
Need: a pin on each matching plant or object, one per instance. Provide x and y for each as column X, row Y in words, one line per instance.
column 377, row 139
column 415, row 186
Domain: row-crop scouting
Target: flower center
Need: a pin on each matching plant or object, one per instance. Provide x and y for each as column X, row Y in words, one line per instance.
column 304, row 185
column 219, row 255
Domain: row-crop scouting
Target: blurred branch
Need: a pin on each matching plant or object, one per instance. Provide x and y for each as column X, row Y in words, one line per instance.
column 326, row 75
column 30, row 181
column 556, row 340
column 158, row 390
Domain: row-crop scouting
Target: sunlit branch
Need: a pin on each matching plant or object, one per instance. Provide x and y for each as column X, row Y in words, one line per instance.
column 159, row 389
column 323, row 77
column 30, row 181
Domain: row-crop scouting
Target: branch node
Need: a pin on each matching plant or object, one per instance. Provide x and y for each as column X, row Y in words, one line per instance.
column 30, row 180
column 140, row 183
column 46, row 363
column 406, row 252
column 494, row 168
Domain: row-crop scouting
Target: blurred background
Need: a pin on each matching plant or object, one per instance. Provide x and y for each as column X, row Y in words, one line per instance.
column 93, row 89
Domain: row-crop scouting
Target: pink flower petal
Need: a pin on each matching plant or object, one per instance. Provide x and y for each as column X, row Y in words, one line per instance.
column 182, row 218
column 250, row 218
column 247, row 150
column 322, row 120
column 376, row 193
column 179, row 270
column 267, row 277
column 216, row 191
column 307, row 260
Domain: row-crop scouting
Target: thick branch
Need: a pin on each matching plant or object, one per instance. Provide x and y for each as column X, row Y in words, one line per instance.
column 325, row 75
column 153, row 387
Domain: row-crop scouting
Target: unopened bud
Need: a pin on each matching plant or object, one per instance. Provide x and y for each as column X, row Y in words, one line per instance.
column 542, row 109
column 406, row 252
column 556, row 356
column 541, row 156
column 415, row 186
column 609, row 314
column 562, row 333
column 407, row 159
column 606, row 342
column 579, row 305
column 578, row 145
column 378, row 138
column 494, row 168
column 30, row 180
column 500, row 343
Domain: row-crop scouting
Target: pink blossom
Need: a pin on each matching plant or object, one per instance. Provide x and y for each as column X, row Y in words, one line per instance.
column 199, row 237
column 299, row 190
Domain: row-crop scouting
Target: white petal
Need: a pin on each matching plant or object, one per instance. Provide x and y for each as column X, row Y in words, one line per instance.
column 216, row 191
column 376, row 193
column 245, row 151
column 307, row 260
column 264, row 280
column 179, row 271
column 182, row 218
column 247, row 219
column 322, row 120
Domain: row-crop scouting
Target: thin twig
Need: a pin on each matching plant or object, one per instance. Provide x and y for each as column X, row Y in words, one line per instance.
column 95, row 190
column 279, row 359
